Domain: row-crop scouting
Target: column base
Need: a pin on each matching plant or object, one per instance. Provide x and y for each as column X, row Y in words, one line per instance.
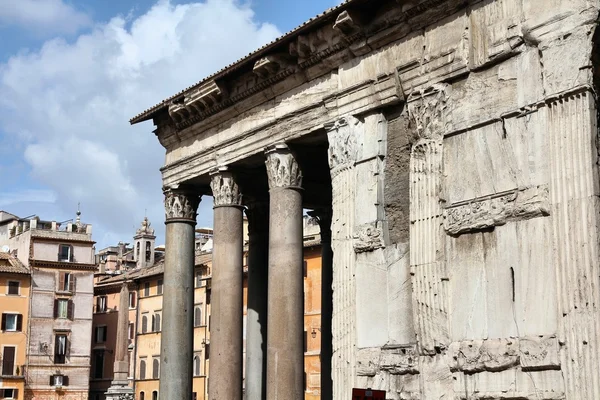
column 119, row 391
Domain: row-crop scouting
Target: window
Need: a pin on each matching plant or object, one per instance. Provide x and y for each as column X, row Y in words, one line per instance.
column 144, row 323
column 66, row 282
column 143, row 369
column 207, row 351
column 156, row 323
column 131, row 331
column 155, row 368
column 137, row 251
column 142, row 396
column 101, row 304
column 8, row 360
column 63, row 308
column 9, row 393
column 305, row 267
column 147, row 289
column 305, row 341
column 59, row 380
column 99, row 364
column 132, row 300
column 148, row 252
column 159, row 287
column 100, row 336
column 197, row 364
column 12, row 322
column 65, row 253
column 198, row 316
column 60, row 349
column 155, row 395
column 13, row 288
column 195, row 397
column 199, row 280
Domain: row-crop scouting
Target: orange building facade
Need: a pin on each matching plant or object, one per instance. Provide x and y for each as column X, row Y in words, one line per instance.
column 15, row 285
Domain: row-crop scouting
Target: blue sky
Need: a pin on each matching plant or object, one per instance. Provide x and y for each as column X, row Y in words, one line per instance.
column 73, row 72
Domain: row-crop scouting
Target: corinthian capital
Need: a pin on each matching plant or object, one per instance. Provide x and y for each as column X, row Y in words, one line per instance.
column 226, row 191
column 282, row 168
column 181, row 204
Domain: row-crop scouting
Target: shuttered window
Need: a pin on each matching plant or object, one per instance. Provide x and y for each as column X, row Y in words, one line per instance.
column 155, row 368
column 8, row 360
column 142, row 369
column 12, row 322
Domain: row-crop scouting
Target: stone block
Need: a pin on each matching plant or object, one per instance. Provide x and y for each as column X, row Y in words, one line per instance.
column 539, row 353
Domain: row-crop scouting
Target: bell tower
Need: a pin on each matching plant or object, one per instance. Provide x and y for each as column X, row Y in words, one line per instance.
column 143, row 249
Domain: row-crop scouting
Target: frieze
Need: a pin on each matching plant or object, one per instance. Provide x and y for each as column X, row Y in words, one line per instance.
column 181, row 205
column 283, row 170
column 489, row 212
column 368, row 237
column 225, row 189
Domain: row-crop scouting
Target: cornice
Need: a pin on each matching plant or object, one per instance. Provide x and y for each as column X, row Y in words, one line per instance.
column 331, row 39
column 62, row 265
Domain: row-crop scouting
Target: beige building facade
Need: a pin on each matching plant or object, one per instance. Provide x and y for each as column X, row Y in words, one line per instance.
column 450, row 148
column 61, row 261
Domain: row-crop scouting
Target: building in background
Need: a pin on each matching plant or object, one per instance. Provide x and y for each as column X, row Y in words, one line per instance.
column 144, row 271
column 60, row 257
column 15, row 285
column 145, row 317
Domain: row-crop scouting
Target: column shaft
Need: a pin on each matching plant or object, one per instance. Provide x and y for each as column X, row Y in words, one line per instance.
column 285, row 336
column 178, row 305
column 256, row 322
column 326, row 307
column 226, row 343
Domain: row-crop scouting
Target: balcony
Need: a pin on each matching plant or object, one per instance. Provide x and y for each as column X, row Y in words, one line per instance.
column 18, row 372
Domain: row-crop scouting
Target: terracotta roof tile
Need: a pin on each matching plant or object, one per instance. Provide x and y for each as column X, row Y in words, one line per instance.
column 12, row 265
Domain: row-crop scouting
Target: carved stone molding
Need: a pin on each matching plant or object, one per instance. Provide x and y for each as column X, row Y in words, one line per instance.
column 257, row 211
column 282, row 168
column 368, row 237
column 428, row 112
column 488, row 212
column 181, row 204
column 225, row 189
column 342, row 143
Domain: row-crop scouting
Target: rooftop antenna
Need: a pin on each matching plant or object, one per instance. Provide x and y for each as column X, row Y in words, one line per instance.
column 78, row 219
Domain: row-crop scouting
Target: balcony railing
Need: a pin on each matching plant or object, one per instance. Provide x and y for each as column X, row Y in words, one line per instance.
column 18, row 372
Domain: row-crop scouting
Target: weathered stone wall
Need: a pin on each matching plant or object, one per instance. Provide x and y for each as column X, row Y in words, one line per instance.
column 463, row 156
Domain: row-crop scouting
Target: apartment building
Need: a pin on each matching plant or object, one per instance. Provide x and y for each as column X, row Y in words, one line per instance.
column 15, row 286
column 60, row 258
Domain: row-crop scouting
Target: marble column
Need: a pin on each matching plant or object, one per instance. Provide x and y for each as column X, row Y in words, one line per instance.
column 256, row 323
column 226, row 344
column 119, row 388
column 324, row 218
column 178, row 295
column 285, row 336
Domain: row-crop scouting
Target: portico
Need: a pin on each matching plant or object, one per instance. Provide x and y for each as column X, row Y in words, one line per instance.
column 448, row 150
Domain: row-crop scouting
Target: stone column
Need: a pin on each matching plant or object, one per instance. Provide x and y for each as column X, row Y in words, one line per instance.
column 324, row 218
column 285, row 336
column 342, row 156
column 226, row 291
column 256, row 322
column 119, row 388
column 178, row 295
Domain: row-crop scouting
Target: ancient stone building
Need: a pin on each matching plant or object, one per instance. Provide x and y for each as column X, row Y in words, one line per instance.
column 455, row 144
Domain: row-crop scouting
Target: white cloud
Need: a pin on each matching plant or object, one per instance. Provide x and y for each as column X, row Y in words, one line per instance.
column 43, row 16
column 69, row 104
column 27, row 195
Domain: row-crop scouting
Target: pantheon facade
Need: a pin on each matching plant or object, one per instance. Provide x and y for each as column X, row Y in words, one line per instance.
column 449, row 149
